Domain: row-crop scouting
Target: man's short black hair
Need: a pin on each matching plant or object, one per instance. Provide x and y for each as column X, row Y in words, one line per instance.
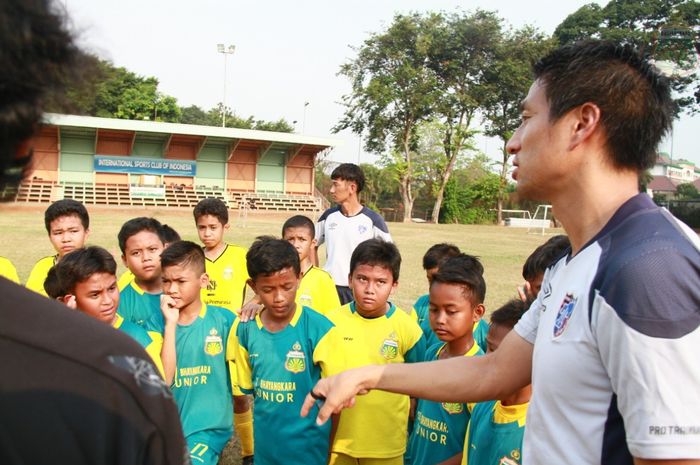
column 135, row 226
column 545, row 256
column 36, row 54
column 211, row 206
column 350, row 172
column 466, row 271
column 634, row 98
column 66, row 207
column 268, row 255
column 168, row 235
column 299, row 221
column 510, row 313
column 438, row 253
column 78, row 266
column 186, row 254
column 377, row 252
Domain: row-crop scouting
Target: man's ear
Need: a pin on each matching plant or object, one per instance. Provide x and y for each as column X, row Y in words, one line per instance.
column 586, row 122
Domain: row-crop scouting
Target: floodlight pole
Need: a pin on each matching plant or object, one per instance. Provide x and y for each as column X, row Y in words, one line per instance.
column 226, row 51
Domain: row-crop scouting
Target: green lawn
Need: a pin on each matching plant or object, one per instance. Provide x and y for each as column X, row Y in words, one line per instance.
column 502, row 250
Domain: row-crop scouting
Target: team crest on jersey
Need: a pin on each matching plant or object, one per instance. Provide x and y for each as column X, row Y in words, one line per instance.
column 453, row 408
column 507, row 461
column 296, row 360
column 213, row 344
column 228, row 273
column 390, row 347
column 564, row 315
column 362, row 229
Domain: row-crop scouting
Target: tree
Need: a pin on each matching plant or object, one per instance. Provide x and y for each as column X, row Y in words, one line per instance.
column 281, row 125
column 664, row 30
column 392, row 91
column 687, row 191
column 506, row 83
column 462, row 49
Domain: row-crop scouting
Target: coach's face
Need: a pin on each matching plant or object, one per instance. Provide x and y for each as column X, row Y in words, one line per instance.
column 539, row 147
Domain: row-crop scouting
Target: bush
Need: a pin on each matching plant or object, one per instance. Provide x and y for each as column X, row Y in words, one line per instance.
column 470, row 202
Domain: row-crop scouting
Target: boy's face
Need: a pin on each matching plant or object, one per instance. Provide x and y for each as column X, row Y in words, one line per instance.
column 277, row 292
column 452, row 314
column 183, row 284
column 535, row 285
column 210, row 230
column 302, row 239
column 142, row 255
column 495, row 336
column 98, row 296
column 371, row 287
column 67, row 233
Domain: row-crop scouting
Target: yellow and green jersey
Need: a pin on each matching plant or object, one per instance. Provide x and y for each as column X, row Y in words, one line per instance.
column 317, row 291
column 280, row 369
column 152, row 342
column 228, row 275
column 8, row 270
column 137, row 305
column 421, row 313
column 37, row 276
column 125, row 279
column 202, row 385
column 439, row 427
column 495, row 434
column 376, row 426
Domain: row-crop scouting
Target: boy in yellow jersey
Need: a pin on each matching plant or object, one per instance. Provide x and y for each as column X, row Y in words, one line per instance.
column 496, row 429
column 228, row 275
column 86, row 280
column 8, row 270
column 197, row 353
column 374, row 331
column 432, row 259
column 141, row 244
column 169, row 235
column 457, row 293
column 316, row 289
column 279, row 357
column 226, row 264
column 68, row 225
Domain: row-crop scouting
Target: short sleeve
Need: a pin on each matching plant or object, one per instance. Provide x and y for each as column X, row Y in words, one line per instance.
column 244, row 372
column 328, row 353
column 417, row 352
column 320, row 231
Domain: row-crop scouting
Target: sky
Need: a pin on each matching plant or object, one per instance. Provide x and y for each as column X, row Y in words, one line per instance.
column 287, row 53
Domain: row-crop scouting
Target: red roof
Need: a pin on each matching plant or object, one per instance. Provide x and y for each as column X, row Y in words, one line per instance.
column 662, row 184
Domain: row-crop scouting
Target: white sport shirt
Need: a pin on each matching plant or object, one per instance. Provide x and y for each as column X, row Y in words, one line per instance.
column 616, row 361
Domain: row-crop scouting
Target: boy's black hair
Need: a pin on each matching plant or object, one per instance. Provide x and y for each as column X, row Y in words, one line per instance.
column 268, row 255
column 377, row 252
column 350, row 172
column 186, row 254
column 211, row 206
column 37, row 54
column 168, row 235
column 545, row 256
column 52, row 285
column 135, row 226
column 300, row 221
column 66, row 207
column 634, row 98
column 464, row 270
column 77, row 267
column 510, row 313
column 438, row 253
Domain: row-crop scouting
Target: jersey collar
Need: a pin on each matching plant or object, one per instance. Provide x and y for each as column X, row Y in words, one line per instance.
column 470, row 353
column 392, row 309
column 118, row 321
column 293, row 322
column 510, row 413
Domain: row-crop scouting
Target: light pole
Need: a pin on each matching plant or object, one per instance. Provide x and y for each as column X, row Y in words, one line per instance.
column 303, row 123
column 221, row 48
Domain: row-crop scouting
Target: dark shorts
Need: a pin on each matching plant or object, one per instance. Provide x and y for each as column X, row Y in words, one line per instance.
column 344, row 294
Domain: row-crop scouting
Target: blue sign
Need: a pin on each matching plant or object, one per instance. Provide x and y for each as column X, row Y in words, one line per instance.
column 161, row 166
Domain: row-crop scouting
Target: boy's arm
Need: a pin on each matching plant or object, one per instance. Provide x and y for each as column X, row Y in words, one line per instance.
column 168, row 353
column 458, row 379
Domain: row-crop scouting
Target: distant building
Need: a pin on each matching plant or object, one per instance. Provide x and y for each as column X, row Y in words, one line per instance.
column 668, row 174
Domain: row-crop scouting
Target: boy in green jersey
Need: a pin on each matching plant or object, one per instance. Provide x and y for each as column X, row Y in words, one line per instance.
column 141, row 243
column 86, row 280
column 68, row 225
column 279, row 357
column 374, row 331
column 457, row 293
column 197, row 352
column 432, row 259
column 168, row 235
column 496, row 428
column 316, row 288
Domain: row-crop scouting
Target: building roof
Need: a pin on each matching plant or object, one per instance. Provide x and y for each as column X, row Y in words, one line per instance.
column 662, row 184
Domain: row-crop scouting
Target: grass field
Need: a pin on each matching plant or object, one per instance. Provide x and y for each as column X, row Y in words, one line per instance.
column 502, row 250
